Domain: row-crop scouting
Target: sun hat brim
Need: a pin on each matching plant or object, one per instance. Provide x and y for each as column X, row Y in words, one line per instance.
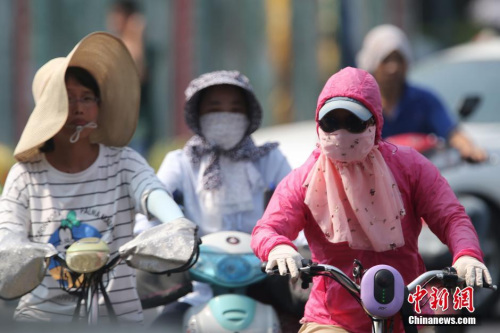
column 108, row 60
column 349, row 104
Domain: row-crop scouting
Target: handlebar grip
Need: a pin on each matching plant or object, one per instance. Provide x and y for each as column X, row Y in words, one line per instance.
column 305, row 278
column 274, row 271
column 451, row 272
column 304, row 262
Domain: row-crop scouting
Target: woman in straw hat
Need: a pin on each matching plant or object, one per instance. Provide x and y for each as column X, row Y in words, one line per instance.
column 76, row 179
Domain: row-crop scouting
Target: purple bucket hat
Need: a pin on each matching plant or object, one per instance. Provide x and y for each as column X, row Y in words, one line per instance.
column 234, row 78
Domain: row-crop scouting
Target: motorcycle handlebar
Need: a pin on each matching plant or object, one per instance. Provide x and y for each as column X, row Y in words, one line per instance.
column 448, row 275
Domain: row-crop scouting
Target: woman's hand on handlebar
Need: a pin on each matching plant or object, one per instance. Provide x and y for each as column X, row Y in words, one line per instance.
column 287, row 259
column 473, row 271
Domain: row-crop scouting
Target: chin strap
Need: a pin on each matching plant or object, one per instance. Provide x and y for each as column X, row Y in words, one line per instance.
column 74, row 138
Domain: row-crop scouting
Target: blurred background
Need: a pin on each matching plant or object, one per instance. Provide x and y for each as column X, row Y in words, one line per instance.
column 287, row 48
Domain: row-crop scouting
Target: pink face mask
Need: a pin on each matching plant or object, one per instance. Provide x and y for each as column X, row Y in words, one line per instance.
column 347, row 202
column 344, row 146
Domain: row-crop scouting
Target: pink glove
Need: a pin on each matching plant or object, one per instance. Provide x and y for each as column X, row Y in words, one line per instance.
column 473, row 271
column 285, row 256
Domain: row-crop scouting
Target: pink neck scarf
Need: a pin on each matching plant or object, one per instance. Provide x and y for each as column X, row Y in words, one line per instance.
column 356, row 201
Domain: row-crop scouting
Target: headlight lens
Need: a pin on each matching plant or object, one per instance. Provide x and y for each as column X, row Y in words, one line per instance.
column 227, row 270
column 234, row 268
column 86, row 262
column 87, row 255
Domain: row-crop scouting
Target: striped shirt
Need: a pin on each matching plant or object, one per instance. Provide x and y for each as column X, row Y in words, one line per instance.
column 49, row 206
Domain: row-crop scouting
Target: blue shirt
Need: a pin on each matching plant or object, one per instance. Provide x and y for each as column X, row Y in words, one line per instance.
column 419, row 111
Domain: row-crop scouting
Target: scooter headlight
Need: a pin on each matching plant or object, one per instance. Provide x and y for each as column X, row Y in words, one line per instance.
column 230, row 271
column 234, row 268
column 87, row 255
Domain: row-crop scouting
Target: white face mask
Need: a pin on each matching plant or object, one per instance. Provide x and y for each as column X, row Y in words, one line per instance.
column 224, row 129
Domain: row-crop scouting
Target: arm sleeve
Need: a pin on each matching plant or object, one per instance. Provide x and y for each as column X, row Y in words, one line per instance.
column 14, row 202
column 162, row 206
column 142, row 180
column 437, row 204
column 23, row 262
column 283, row 219
column 169, row 175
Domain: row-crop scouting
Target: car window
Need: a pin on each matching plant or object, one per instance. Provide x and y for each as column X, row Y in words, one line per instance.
column 455, row 81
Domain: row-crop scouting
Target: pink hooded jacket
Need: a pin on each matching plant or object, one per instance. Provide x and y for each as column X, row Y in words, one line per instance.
column 426, row 194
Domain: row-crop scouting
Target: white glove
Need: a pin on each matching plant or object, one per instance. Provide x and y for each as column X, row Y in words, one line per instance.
column 472, row 270
column 283, row 256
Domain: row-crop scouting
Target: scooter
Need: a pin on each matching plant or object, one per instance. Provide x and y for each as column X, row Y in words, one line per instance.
column 83, row 267
column 227, row 263
column 85, row 263
column 434, row 148
column 380, row 290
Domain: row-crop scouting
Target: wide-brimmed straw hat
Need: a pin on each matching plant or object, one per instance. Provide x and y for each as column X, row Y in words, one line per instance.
column 108, row 60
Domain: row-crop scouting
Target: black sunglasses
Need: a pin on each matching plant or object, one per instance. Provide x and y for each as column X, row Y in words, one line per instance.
column 332, row 122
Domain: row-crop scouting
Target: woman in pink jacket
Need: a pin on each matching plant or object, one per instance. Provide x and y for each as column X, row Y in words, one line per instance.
column 358, row 197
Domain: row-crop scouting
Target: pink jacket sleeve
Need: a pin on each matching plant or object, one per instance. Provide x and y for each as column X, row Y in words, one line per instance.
column 286, row 213
column 438, row 205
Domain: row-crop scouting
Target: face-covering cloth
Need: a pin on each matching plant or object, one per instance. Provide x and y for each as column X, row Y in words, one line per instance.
column 352, row 194
column 227, row 173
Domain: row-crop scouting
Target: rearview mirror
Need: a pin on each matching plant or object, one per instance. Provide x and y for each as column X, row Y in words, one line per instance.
column 468, row 106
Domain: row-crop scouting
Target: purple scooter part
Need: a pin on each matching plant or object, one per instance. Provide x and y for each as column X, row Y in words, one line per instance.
column 382, row 291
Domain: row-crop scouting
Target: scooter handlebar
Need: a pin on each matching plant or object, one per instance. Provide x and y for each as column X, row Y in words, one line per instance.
column 449, row 274
column 263, row 265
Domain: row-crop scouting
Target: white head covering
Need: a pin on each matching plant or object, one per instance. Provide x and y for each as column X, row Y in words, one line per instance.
column 379, row 43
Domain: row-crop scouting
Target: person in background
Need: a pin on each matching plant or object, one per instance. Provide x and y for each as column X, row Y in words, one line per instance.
column 358, row 197
column 74, row 177
column 386, row 54
column 126, row 21
column 220, row 174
